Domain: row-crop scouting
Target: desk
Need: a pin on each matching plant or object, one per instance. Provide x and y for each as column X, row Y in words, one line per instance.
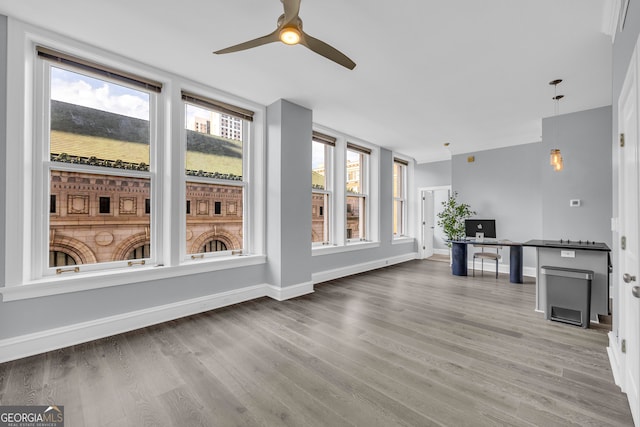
column 459, row 257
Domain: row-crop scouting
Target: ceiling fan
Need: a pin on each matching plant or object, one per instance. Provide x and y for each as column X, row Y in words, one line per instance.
column 289, row 31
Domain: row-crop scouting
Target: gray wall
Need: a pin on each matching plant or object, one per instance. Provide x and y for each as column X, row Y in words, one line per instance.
column 434, row 174
column 584, row 139
column 504, row 184
column 387, row 249
column 3, row 127
column 288, row 238
column 40, row 314
column 517, row 186
column 288, row 193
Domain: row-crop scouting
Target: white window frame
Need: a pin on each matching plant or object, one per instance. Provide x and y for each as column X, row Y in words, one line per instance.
column 363, row 195
column 246, row 215
column 24, row 193
column 402, row 198
column 328, row 192
column 41, row 174
column 338, row 208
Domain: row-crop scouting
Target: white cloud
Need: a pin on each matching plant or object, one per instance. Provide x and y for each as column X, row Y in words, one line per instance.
column 82, row 93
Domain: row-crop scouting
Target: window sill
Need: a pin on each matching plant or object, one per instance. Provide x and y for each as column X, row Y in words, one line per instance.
column 56, row 285
column 355, row 246
column 402, row 240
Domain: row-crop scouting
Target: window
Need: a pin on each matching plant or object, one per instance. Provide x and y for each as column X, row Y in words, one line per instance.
column 60, row 258
column 97, row 130
column 140, row 252
column 399, row 197
column 214, row 174
column 322, row 147
column 91, row 128
column 105, row 205
column 214, row 246
column 357, row 165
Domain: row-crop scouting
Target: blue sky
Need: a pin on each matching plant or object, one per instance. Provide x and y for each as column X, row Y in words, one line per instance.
column 317, row 158
column 79, row 89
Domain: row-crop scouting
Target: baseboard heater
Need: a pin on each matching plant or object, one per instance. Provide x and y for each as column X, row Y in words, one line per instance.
column 568, row 295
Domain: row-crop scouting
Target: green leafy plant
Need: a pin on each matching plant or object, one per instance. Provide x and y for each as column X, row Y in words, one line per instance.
column 452, row 217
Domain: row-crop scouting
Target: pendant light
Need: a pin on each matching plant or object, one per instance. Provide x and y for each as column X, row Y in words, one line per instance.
column 555, row 158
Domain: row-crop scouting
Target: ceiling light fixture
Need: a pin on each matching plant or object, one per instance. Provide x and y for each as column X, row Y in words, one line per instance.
column 290, row 35
column 555, row 158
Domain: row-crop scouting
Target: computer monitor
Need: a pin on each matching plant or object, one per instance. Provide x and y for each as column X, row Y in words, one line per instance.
column 486, row 226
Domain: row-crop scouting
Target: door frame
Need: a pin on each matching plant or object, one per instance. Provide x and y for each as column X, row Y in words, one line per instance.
column 422, row 220
column 625, row 328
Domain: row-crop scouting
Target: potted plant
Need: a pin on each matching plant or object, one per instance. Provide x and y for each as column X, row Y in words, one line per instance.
column 452, row 217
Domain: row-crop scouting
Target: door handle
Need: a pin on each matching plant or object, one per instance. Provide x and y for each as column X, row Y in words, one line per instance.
column 636, row 291
column 628, row 278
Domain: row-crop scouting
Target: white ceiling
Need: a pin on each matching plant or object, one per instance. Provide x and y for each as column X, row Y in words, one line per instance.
column 468, row 72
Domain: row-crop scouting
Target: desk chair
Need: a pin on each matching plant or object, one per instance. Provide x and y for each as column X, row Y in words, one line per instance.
column 495, row 256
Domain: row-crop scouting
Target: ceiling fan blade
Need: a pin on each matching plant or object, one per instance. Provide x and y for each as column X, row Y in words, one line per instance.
column 269, row 38
column 329, row 52
column 291, row 10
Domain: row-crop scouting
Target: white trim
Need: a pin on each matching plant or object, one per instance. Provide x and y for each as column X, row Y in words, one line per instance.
column 611, row 17
column 288, row 292
column 530, row 271
column 348, row 247
column 52, row 339
column 419, row 219
column 82, row 282
column 614, row 356
column 402, row 240
column 20, row 282
column 323, row 276
column 624, row 7
column 441, row 251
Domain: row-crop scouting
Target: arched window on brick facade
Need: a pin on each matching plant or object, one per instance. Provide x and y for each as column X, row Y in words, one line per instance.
column 59, row 258
column 140, row 252
column 214, row 246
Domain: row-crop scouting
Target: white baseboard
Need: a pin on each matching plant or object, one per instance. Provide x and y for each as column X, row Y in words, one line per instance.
column 289, row 292
column 614, row 360
column 337, row 273
column 52, row 339
column 441, row 251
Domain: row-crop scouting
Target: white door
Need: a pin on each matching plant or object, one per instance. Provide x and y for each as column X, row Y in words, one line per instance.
column 628, row 291
column 427, row 223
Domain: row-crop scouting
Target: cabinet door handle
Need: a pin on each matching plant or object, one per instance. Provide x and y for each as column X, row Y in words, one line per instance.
column 628, row 278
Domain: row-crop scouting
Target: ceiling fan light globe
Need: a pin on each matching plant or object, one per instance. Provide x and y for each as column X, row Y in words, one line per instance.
column 290, row 35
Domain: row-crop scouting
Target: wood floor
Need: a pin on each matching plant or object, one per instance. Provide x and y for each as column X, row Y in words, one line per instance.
column 406, row 345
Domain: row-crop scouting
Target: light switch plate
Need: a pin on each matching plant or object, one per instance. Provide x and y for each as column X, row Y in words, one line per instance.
column 568, row 254
column 574, row 203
